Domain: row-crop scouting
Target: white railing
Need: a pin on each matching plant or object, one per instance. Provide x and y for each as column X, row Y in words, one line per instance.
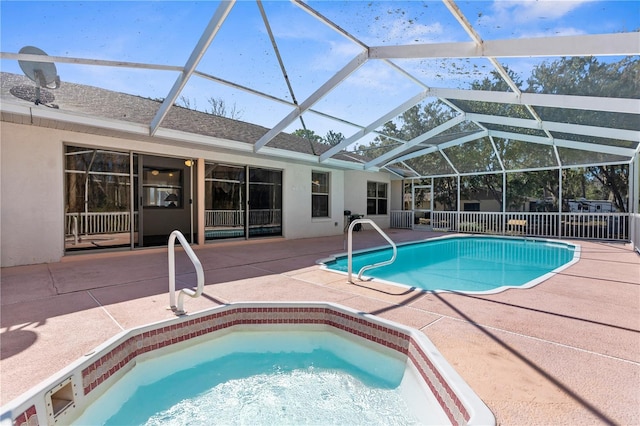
column 401, row 219
column 178, row 308
column 117, row 222
column 596, row 226
column 265, row 217
column 229, row 218
column 350, row 249
column 98, row 223
column 603, row 226
column 223, row 218
column 444, row 221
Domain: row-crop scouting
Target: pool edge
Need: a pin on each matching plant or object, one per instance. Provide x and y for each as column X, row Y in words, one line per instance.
column 576, row 257
column 110, row 360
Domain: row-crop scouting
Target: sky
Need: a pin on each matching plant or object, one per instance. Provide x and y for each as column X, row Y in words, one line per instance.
column 165, row 32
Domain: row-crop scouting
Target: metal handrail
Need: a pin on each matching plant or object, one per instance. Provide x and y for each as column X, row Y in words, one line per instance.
column 350, row 249
column 178, row 309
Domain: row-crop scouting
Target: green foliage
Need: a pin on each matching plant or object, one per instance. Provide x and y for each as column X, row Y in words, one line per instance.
column 308, row 134
column 614, row 180
column 333, row 138
column 445, row 192
column 584, row 76
column 587, row 76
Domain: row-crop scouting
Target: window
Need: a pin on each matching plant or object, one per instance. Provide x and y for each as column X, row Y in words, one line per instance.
column 376, row 198
column 319, row 194
column 471, row 207
column 162, row 188
column 231, row 190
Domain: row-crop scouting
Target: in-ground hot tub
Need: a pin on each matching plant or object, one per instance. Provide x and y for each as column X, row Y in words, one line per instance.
column 433, row 391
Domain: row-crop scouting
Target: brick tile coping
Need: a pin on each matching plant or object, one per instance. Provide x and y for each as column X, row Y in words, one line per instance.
column 115, row 357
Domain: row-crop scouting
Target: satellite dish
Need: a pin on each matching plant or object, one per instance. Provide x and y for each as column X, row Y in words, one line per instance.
column 44, row 74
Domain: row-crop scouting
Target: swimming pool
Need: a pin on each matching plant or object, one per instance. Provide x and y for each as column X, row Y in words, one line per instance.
column 387, row 355
column 466, row 264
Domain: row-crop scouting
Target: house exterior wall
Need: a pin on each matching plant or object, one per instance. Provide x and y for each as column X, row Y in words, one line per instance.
column 32, row 190
column 355, row 194
column 486, row 205
column 396, row 187
column 296, row 200
column 31, row 195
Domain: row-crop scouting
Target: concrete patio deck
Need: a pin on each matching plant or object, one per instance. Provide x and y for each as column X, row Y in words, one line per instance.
column 564, row 352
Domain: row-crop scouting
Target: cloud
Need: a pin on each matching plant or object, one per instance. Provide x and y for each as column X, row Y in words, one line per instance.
column 337, row 52
column 530, row 18
column 557, row 31
column 401, row 31
column 526, row 11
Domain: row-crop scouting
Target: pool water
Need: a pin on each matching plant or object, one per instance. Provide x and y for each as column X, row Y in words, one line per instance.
column 466, row 264
column 261, row 378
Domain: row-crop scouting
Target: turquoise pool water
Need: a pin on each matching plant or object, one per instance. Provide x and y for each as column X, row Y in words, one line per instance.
column 261, row 378
column 466, row 264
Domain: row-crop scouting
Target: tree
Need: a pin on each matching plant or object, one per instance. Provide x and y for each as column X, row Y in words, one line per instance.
column 308, row 134
column 445, row 192
column 414, row 122
column 218, row 107
column 333, row 138
column 616, row 180
column 589, row 77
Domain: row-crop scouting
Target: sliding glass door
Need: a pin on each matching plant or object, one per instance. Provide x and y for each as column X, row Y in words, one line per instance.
column 224, row 201
column 230, row 213
column 265, row 202
column 104, row 210
column 98, row 199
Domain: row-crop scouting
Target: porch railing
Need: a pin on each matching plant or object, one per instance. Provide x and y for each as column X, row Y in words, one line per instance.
column 223, row 218
column 98, row 223
column 402, row 219
column 230, row 218
column 118, row 222
column 596, row 226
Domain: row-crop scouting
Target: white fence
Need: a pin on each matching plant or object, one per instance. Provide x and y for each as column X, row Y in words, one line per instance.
column 402, row 219
column 98, row 223
column 223, row 218
column 117, row 222
column 596, row 226
column 265, row 217
column 232, row 218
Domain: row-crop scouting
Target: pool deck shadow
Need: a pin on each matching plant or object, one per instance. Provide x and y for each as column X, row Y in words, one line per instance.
column 566, row 351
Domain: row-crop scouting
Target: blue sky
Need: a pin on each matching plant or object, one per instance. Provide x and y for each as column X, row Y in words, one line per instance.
column 165, row 33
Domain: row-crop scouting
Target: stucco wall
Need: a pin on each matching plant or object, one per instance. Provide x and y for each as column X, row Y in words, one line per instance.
column 355, row 194
column 396, row 198
column 32, row 191
column 31, row 196
column 297, row 220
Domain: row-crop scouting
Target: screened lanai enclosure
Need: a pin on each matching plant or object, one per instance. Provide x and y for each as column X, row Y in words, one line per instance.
column 494, row 117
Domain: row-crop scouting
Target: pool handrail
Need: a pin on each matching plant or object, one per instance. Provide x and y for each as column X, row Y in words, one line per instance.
column 179, row 308
column 350, row 249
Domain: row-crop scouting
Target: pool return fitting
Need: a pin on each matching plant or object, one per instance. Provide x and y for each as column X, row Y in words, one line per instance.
column 358, row 222
column 178, row 309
